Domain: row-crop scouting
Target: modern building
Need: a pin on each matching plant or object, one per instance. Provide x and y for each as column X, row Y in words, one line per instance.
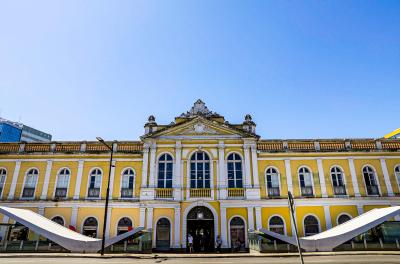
column 203, row 176
column 14, row 132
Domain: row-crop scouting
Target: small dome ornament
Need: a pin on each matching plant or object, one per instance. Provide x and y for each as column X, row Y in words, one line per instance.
column 249, row 125
column 151, row 125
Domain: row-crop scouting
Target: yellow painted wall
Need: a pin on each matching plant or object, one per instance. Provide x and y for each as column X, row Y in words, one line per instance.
column 64, row 212
column 312, row 165
column 25, row 166
column 283, row 212
column 57, row 166
column 344, row 165
column 120, row 167
column 84, row 213
column 375, row 163
column 280, row 166
column 337, row 210
column 302, row 211
column 9, row 166
column 87, row 168
column 118, row 213
column 391, row 164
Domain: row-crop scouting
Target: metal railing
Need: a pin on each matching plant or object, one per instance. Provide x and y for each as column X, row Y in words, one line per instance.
column 28, row 192
column 164, row 193
column 273, row 192
column 94, row 193
column 307, row 191
column 339, row 190
column 235, row 192
column 372, row 190
column 61, row 193
column 126, row 193
column 200, row 192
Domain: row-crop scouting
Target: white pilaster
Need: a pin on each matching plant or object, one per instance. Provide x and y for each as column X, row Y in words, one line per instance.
column 108, row 224
column 74, row 217
column 142, row 216
column 3, row 229
column 14, row 180
column 256, row 182
column 145, row 164
column 152, row 166
column 112, row 177
column 322, row 178
column 258, row 218
column 354, row 178
column 222, row 177
column 250, row 218
column 177, row 227
column 360, row 209
column 149, row 218
column 78, row 179
column 289, row 176
column 46, row 180
column 247, row 165
column 387, row 178
column 224, row 227
column 177, row 172
column 328, row 219
column 41, row 210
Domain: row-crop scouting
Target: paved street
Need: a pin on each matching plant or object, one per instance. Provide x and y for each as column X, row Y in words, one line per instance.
column 340, row 259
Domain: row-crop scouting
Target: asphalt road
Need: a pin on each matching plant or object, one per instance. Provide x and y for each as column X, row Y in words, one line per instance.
column 341, row 259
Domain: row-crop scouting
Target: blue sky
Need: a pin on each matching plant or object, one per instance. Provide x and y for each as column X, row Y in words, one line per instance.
column 303, row 69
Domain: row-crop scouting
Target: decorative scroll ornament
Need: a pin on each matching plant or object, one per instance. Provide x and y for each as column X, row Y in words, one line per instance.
column 199, row 128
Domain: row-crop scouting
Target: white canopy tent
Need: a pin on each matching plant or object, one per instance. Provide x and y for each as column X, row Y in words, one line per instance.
column 71, row 240
column 329, row 239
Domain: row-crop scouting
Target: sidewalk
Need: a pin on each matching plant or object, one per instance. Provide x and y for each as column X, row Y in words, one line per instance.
column 183, row 255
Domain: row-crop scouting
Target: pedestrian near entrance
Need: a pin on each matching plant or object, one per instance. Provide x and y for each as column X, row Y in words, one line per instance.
column 190, row 243
column 219, row 244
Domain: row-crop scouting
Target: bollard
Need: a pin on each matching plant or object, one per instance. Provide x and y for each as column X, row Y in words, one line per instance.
column 37, row 245
column 112, row 248
column 125, row 245
column 381, row 243
column 49, row 247
column 21, row 245
column 352, row 244
column 365, row 243
column 5, row 245
column 275, row 246
column 397, row 244
column 288, row 247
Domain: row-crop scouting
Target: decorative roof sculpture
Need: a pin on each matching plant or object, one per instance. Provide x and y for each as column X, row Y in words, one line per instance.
column 199, row 108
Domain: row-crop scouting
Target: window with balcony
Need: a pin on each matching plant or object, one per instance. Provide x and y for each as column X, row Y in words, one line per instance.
column 337, row 181
column 306, row 184
column 165, row 171
column 371, row 182
column 94, row 183
column 30, row 183
column 272, row 179
column 200, row 170
column 235, row 171
column 62, row 184
column 311, row 226
column 128, row 181
column 277, row 225
column 3, row 174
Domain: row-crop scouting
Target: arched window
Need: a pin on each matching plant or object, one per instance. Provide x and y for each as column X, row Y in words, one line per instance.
column 200, row 170
column 397, row 174
column 124, row 225
column 235, row 171
column 165, row 165
column 337, row 181
column 58, row 220
column 343, row 218
column 62, row 183
column 3, row 174
column 90, row 227
column 94, row 183
column 306, row 185
column 272, row 179
column 311, row 226
column 370, row 181
column 128, row 180
column 30, row 183
column 237, row 232
column 277, row 225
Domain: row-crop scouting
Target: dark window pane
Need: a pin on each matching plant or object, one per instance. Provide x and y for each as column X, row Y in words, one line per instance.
column 207, row 184
column 169, row 184
column 239, row 184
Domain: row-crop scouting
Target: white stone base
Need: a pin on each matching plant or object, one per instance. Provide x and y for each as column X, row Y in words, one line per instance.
column 253, row 194
column 147, row 194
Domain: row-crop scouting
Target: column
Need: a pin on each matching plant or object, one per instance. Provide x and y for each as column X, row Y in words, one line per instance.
column 258, row 218
column 145, row 164
column 328, row 219
column 41, row 210
column 149, row 219
column 177, row 227
column 354, row 178
column 14, row 180
column 152, row 165
column 46, row 180
column 289, row 176
column 322, row 178
column 3, row 229
column 112, row 177
column 387, row 178
column 247, row 165
column 108, row 223
column 360, row 209
column 74, row 217
column 78, row 179
column 177, row 172
column 250, row 218
column 254, row 162
column 221, row 183
column 224, row 235
column 142, row 216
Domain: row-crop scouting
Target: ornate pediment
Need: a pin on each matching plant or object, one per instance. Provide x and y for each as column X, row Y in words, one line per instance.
column 198, row 129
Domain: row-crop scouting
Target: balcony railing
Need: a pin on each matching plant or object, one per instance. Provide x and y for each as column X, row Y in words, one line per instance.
column 126, row 192
column 61, row 193
column 372, row 190
column 273, row 192
column 164, row 193
column 339, row 190
column 94, row 193
column 28, row 192
column 307, row 191
column 235, row 192
column 200, row 193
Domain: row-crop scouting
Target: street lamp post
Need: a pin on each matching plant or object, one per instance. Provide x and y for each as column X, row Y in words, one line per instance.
column 291, row 207
column 107, row 193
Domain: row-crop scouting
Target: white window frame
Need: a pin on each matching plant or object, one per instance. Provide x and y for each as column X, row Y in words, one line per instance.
column 171, row 232
column 121, row 181
column 69, row 181
column 88, row 184
column 119, row 219
column 304, row 226
column 5, row 179
column 229, row 230
column 188, row 161
column 312, row 180
column 283, row 219
column 376, row 179
column 343, row 179
column 279, row 179
column 23, row 185
column 98, row 225
column 165, row 172
column 339, row 215
column 65, row 223
column 234, row 169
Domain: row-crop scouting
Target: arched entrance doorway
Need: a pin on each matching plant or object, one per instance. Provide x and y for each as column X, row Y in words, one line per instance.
column 200, row 224
column 163, row 238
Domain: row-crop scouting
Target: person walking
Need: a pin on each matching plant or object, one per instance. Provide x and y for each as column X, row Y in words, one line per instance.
column 190, row 243
column 219, row 244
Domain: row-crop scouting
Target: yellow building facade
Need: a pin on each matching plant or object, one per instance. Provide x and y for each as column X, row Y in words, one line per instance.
column 202, row 176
